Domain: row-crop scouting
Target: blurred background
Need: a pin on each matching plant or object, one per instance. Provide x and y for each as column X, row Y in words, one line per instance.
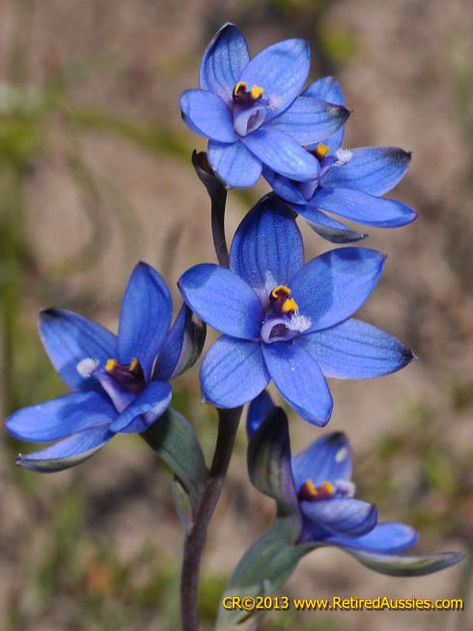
column 95, row 174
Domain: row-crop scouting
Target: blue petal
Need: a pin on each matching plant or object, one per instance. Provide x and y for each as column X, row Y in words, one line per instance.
column 267, row 245
column 328, row 228
column 233, row 372
column 281, row 70
column 68, row 338
column 60, row 417
column 373, row 170
column 299, row 380
column 182, row 346
column 284, row 187
column 328, row 89
column 348, row 517
column 144, row 318
column 68, row 452
column 144, row 410
column 310, row 120
column 234, row 164
column 327, row 459
column 223, row 300
column 257, row 412
column 330, row 288
column 207, row 115
column 356, row 350
column 386, row 538
column 223, row 62
column 282, row 154
column 361, row 207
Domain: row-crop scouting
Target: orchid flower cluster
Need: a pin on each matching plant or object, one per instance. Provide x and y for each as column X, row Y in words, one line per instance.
column 283, row 321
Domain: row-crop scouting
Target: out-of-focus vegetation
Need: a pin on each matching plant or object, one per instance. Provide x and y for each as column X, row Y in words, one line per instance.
column 62, row 568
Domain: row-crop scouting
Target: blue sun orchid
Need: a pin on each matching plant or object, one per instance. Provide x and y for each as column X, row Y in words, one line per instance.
column 251, row 111
column 286, row 321
column 316, row 485
column 349, row 184
column 120, row 382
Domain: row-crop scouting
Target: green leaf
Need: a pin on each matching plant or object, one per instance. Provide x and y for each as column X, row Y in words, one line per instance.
column 406, row 565
column 173, row 438
column 263, row 569
column 182, row 504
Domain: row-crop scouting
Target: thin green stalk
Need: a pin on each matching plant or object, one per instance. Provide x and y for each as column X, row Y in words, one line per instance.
column 195, row 538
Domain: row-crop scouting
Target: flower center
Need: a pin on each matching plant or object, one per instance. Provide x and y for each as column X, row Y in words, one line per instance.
column 320, row 152
column 280, row 302
column 249, row 108
column 122, row 382
column 282, row 320
column 130, row 376
column 244, row 96
column 327, row 162
column 311, row 493
column 308, row 492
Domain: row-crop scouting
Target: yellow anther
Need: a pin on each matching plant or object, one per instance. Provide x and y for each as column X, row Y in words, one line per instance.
column 133, row 364
column 289, row 305
column 240, row 87
column 280, row 291
column 312, row 493
column 310, row 488
column 321, row 151
column 256, row 92
column 110, row 365
column 327, row 486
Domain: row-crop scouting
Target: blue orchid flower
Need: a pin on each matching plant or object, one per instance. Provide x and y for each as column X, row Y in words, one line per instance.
column 120, row 382
column 286, row 321
column 350, row 182
column 252, row 113
column 316, row 485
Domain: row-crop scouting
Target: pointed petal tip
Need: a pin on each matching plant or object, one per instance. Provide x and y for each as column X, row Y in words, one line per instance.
column 49, row 312
column 323, row 422
column 336, row 437
column 401, row 155
column 455, row 557
column 226, row 26
column 410, row 215
column 344, row 112
column 382, row 258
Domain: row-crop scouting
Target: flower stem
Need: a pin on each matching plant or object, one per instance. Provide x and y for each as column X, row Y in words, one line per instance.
column 218, row 197
column 195, row 539
column 218, row 227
